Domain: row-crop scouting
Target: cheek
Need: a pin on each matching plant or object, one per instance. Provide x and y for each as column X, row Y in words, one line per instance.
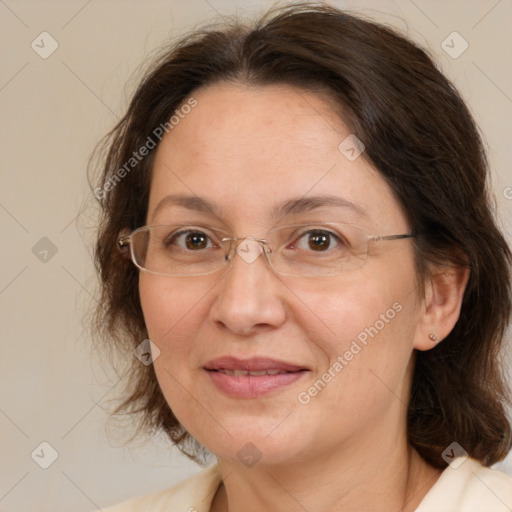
column 174, row 313
column 342, row 313
column 363, row 350
column 363, row 328
column 170, row 307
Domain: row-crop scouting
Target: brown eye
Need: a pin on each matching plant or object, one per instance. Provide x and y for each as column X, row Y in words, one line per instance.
column 196, row 240
column 319, row 241
column 189, row 240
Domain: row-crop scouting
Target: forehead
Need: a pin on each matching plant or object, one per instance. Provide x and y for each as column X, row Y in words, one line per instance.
column 246, row 149
column 233, row 122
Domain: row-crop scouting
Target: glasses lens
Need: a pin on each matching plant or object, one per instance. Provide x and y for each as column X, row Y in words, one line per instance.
column 318, row 250
column 177, row 250
column 322, row 249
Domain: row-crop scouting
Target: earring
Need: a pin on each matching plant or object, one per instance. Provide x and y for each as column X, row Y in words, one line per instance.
column 432, row 337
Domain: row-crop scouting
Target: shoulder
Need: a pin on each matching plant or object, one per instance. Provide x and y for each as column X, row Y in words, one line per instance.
column 194, row 494
column 467, row 486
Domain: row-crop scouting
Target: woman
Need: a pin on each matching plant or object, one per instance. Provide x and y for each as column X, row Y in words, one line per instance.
column 296, row 214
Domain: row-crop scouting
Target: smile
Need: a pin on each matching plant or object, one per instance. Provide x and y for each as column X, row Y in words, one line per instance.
column 260, row 373
column 252, row 378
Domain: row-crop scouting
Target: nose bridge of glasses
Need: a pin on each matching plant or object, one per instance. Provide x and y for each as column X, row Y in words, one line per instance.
column 248, row 248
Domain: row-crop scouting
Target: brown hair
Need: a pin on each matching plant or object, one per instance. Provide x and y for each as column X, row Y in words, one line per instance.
column 418, row 134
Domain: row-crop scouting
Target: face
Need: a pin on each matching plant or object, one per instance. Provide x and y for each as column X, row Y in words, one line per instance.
column 340, row 346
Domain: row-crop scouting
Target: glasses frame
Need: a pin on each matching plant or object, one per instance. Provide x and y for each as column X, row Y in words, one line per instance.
column 125, row 241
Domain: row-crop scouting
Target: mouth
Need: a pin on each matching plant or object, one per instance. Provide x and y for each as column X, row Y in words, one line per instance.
column 252, row 378
column 252, row 365
column 259, row 373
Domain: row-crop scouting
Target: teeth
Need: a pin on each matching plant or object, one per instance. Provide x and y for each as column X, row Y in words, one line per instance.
column 243, row 373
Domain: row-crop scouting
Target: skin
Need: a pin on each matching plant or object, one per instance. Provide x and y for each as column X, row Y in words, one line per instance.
column 247, row 149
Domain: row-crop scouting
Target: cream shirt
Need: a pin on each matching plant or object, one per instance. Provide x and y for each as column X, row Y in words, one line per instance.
column 469, row 488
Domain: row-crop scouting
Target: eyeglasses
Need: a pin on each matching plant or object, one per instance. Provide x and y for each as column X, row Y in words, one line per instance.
column 308, row 250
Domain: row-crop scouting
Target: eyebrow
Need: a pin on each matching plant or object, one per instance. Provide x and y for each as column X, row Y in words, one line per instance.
column 289, row 207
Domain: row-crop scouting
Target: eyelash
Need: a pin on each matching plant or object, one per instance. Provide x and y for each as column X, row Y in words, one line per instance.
column 319, row 231
column 173, row 236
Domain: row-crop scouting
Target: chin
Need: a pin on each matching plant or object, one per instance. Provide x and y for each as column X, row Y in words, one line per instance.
column 252, row 441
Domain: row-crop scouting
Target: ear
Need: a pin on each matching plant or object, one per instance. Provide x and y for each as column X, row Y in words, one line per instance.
column 444, row 291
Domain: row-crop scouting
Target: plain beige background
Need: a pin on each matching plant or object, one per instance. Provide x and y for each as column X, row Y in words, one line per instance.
column 53, row 111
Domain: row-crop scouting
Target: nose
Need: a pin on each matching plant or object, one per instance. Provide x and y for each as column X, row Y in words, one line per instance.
column 249, row 298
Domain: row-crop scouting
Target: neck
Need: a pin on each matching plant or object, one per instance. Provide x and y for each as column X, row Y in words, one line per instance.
column 385, row 477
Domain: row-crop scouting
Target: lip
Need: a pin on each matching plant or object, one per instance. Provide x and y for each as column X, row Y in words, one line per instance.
column 227, row 373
